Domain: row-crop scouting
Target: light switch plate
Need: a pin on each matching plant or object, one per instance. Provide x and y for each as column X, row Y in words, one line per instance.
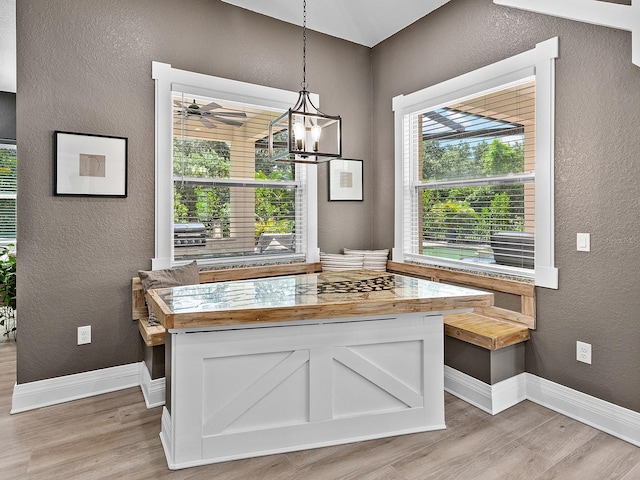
column 583, row 242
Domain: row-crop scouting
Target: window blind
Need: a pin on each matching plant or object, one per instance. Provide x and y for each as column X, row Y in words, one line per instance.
column 471, row 171
column 229, row 199
column 8, row 193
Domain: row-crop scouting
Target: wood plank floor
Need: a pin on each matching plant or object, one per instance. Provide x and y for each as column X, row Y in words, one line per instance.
column 115, row 436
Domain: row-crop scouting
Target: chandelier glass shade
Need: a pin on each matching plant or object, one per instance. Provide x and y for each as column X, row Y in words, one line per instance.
column 303, row 134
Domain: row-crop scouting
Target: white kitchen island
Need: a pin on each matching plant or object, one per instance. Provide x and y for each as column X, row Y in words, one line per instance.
column 264, row 366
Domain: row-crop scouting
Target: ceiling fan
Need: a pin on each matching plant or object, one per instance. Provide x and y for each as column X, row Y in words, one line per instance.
column 207, row 114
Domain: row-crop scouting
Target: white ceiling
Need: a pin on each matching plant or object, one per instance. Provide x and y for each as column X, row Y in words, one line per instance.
column 366, row 22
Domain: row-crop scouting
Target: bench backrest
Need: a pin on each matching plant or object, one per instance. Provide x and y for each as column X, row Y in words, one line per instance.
column 527, row 314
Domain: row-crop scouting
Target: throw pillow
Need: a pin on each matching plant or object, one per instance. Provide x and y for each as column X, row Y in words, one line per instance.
column 373, row 259
column 170, row 277
column 337, row 262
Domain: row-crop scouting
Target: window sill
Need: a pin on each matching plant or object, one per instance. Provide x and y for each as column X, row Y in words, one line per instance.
column 485, row 270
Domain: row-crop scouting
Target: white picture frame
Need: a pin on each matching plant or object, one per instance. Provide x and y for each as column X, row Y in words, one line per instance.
column 345, row 180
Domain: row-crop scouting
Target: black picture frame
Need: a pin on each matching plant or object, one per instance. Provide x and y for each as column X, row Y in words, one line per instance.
column 89, row 165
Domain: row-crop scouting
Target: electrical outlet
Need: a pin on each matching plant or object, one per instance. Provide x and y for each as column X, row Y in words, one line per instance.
column 84, row 335
column 583, row 352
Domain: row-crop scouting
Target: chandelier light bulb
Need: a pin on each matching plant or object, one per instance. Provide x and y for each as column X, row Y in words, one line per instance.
column 299, row 134
column 315, row 136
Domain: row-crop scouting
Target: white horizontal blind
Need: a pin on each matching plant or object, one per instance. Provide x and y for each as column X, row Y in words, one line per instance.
column 8, row 193
column 229, row 199
column 472, row 169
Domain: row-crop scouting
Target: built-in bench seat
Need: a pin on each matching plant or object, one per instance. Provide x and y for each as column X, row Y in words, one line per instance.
column 491, row 328
column 485, row 332
column 525, row 291
column 487, row 327
column 487, row 343
column 151, row 334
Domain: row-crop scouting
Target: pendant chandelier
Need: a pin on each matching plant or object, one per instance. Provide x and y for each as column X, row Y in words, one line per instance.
column 303, row 134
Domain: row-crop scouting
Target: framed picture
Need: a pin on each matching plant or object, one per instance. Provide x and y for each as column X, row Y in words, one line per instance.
column 90, row 165
column 345, row 180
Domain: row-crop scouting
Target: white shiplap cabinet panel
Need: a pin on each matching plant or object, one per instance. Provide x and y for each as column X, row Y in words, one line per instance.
column 244, row 393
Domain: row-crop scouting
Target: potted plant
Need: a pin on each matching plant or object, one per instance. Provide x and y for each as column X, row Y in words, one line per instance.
column 8, row 291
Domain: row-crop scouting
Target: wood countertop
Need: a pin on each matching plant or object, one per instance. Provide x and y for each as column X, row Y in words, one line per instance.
column 306, row 297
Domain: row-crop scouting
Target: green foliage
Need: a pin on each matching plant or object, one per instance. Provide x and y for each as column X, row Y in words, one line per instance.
column 450, row 219
column 180, row 210
column 7, row 166
column 201, row 158
column 211, row 206
column 275, row 207
column 502, row 158
column 286, row 171
column 467, row 160
column 471, row 213
column 206, row 205
column 499, row 215
column 195, row 158
column 448, row 161
column 7, row 277
column 7, row 290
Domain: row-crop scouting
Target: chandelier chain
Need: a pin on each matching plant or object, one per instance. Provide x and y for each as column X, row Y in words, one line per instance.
column 304, row 46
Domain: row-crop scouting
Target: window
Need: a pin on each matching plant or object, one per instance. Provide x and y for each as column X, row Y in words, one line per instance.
column 475, row 178
column 8, row 194
column 229, row 200
column 474, row 156
column 219, row 199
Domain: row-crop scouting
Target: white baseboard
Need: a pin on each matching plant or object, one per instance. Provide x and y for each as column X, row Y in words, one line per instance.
column 42, row 393
column 152, row 390
column 608, row 417
column 492, row 399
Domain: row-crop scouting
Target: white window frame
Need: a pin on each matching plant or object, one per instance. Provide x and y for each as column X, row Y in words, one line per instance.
column 168, row 79
column 538, row 62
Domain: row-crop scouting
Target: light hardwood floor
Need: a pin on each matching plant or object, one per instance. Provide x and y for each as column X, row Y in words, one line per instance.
column 115, row 436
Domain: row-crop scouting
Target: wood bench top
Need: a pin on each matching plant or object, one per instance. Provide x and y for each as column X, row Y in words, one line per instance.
column 472, row 328
column 151, row 334
column 484, row 331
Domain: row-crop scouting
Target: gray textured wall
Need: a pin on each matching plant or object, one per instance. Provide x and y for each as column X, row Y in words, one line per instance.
column 7, row 117
column 596, row 170
column 85, row 66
